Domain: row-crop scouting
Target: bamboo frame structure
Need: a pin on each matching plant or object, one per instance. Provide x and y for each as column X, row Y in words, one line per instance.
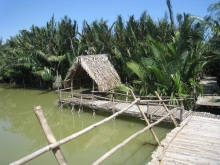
column 113, row 150
column 165, row 107
column 71, row 137
column 147, row 122
column 49, row 135
column 55, row 144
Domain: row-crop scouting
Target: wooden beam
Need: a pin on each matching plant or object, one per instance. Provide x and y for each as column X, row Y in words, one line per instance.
column 165, row 107
column 109, row 153
column 146, row 120
column 49, row 135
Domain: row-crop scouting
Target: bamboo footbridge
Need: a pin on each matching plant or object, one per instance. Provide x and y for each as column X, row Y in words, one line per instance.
column 153, row 109
column 196, row 141
column 54, row 145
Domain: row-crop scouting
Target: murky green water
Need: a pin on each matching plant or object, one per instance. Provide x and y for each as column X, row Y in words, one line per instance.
column 21, row 134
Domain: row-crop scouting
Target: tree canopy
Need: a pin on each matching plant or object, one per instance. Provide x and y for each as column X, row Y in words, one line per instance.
column 165, row 55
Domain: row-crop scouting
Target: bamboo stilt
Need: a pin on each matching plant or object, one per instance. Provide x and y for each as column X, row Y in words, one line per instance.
column 146, row 120
column 181, row 111
column 49, row 135
column 148, row 110
column 72, row 86
column 112, row 95
column 151, row 117
column 58, row 90
column 165, row 107
column 126, row 97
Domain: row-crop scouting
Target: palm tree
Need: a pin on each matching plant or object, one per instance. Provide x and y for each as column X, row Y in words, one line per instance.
column 171, row 65
column 43, row 50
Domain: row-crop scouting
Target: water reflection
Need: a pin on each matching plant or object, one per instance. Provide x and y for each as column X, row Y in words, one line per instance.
column 18, row 121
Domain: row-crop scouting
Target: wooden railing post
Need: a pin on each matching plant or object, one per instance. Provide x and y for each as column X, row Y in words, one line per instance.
column 148, row 109
column 112, row 95
column 72, row 86
column 146, row 120
column 181, row 111
column 165, row 107
column 49, row 135
column 59, row 91
column 126, row 97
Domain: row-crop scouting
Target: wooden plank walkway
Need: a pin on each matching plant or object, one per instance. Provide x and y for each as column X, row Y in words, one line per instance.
column 156, row 111
column 196, row 141
column 211, row 93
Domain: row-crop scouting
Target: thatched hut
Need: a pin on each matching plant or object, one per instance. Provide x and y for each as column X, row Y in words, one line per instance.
column 87, row 69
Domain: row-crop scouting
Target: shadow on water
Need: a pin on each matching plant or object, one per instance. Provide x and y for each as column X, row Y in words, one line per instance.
column 211, row 109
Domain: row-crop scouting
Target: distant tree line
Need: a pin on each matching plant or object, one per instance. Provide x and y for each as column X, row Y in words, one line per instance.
column 161, row 55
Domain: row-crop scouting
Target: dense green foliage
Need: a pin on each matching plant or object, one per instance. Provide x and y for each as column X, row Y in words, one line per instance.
column 148, row 55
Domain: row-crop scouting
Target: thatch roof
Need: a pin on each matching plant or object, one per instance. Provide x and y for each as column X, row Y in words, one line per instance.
column 98, row 67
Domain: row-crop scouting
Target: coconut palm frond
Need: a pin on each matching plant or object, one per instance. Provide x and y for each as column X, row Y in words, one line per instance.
column 137, row 69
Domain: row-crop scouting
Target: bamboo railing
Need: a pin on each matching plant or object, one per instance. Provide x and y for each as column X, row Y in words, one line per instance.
column 109, row 153
column 54, row 145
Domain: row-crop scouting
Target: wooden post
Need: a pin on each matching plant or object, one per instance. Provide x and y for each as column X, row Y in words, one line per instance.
column 148, row 109
column 72, row 86
column 59, row 92
column 93, row 88
column 49, row 135
column 112, row 95
column 146, row 120
column 181, row 111
column 126, row 97
column 194, row 93
column 113, row 105
column 151, row 117
column 165, row 107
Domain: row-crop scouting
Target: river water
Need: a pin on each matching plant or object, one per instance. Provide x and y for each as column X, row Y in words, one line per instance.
column 21, row 134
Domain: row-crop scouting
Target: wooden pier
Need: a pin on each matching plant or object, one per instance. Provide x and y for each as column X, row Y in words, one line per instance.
column 196, row 141
column 153, row 110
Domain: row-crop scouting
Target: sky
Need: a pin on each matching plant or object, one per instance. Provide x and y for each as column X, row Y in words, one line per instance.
column 16, row 15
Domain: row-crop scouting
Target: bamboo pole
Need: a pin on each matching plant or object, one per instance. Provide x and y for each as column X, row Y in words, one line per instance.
column 194, row 93
column 181, row 111
column 72, row 86
column 49, row 135
column 58, row 89
column 156, row 101
column 148, row 110
column 146, row 120
column 106, row 155
column 71, row 137
column 113, row 105
column 171, row 140
column 126, row 97
column 165, row 107
column 112, row 95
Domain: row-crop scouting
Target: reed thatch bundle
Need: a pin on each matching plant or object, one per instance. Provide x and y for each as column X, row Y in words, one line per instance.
column 98, row 67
